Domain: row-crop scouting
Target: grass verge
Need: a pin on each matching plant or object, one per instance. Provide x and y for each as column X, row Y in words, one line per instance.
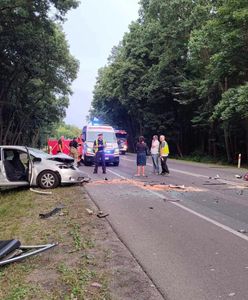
column 69, row 271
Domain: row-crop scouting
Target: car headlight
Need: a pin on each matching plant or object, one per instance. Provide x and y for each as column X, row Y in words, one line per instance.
column 116, row 151
column 90, row 150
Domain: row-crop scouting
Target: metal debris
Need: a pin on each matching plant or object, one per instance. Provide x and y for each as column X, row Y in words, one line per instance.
column 52, row 212
column 242, row 231
column 177, row 186
column 40, row 192
column 101, row 214
column 171, row 200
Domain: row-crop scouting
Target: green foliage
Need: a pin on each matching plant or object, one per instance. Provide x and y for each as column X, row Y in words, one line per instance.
column 36, row 68
column 181, row 70
column 65, row 130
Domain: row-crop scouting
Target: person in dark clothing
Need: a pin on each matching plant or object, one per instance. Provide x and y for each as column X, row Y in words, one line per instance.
column 99, row 146
column 73, row 150
column 141, row 149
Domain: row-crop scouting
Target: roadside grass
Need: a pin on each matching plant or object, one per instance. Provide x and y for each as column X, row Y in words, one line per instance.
column 69, row 270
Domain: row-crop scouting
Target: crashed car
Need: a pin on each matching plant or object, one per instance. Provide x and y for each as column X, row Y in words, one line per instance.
column 23, row 166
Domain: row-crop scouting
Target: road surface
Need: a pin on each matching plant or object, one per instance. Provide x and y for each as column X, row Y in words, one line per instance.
column 185, row 236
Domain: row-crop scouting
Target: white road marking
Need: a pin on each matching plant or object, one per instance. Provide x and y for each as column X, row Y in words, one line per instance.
column 161, row 196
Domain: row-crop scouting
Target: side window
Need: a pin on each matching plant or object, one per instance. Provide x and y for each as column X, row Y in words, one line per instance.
column 8, row 154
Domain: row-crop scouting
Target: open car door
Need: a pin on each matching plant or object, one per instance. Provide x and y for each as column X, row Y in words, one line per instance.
column 30, row 165
column 14, row 167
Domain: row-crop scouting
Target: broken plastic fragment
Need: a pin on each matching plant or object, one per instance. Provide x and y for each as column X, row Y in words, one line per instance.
column 89, row 211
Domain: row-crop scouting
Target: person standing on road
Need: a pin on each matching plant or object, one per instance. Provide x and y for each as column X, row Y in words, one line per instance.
column 60, row 144
column 99, row 146
column 155, row 154
column 141, row 149
column 73, row 150
column 164, row 152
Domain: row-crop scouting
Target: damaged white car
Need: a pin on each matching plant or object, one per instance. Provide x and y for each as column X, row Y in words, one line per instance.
column 23, row 166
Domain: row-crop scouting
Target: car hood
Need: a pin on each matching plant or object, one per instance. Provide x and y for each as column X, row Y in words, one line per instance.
column 63, row 158
column 60, row 157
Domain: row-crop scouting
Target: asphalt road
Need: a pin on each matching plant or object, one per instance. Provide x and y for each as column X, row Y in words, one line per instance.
column 186, row 238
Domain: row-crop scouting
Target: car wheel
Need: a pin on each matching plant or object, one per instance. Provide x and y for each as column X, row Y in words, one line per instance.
column 48, row 180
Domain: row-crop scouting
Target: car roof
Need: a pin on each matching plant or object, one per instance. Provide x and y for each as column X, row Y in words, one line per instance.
column 13, row 147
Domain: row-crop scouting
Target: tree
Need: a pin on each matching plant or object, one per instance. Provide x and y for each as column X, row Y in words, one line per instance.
column 36, row 68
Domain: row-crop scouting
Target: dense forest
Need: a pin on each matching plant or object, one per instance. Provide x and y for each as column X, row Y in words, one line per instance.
column 36, row 68
column 181, row 70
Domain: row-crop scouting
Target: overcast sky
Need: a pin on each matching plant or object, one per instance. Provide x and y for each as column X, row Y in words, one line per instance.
column 92, row 30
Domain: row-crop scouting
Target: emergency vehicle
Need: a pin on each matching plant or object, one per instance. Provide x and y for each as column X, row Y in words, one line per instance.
column 90, row 134
column 121, row 136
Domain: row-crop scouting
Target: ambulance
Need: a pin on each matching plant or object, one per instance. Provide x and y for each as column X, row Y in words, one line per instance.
column 90, row 134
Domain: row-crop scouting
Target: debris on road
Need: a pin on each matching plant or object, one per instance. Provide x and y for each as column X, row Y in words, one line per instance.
column 241, row 192
column 52, row 212
column 86, row 180
column 151, row 207
column 177, row 186
column 171, row 200
column 242, row 231
column 238, row 176
column 145, row 185
column 40, row 192
column 214, row 183
column 217, row 176
column 101, row 214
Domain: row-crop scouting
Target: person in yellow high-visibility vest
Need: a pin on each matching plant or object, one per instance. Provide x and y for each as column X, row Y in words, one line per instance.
column 164, row 152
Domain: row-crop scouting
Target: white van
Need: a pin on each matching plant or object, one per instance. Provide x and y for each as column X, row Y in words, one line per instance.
column 90, row 134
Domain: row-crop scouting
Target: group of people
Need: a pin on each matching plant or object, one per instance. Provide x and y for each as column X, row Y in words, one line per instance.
column 74, row 144
column 159, row 152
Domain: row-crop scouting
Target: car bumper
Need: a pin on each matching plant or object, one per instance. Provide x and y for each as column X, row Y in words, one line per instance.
column 71, row 176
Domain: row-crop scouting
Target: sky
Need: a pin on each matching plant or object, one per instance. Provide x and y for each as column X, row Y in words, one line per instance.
column 91, row 31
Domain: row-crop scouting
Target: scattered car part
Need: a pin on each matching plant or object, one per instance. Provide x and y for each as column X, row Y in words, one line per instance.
column 12, row 251
column 52, row 212
column 101, row 214
column 89, row 211
column 40, row 192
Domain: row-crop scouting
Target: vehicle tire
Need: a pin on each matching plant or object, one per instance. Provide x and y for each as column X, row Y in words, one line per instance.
column 116, row 164
column 48, row 180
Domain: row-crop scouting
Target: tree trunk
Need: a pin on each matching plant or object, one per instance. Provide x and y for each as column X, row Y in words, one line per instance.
column 227, row 145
